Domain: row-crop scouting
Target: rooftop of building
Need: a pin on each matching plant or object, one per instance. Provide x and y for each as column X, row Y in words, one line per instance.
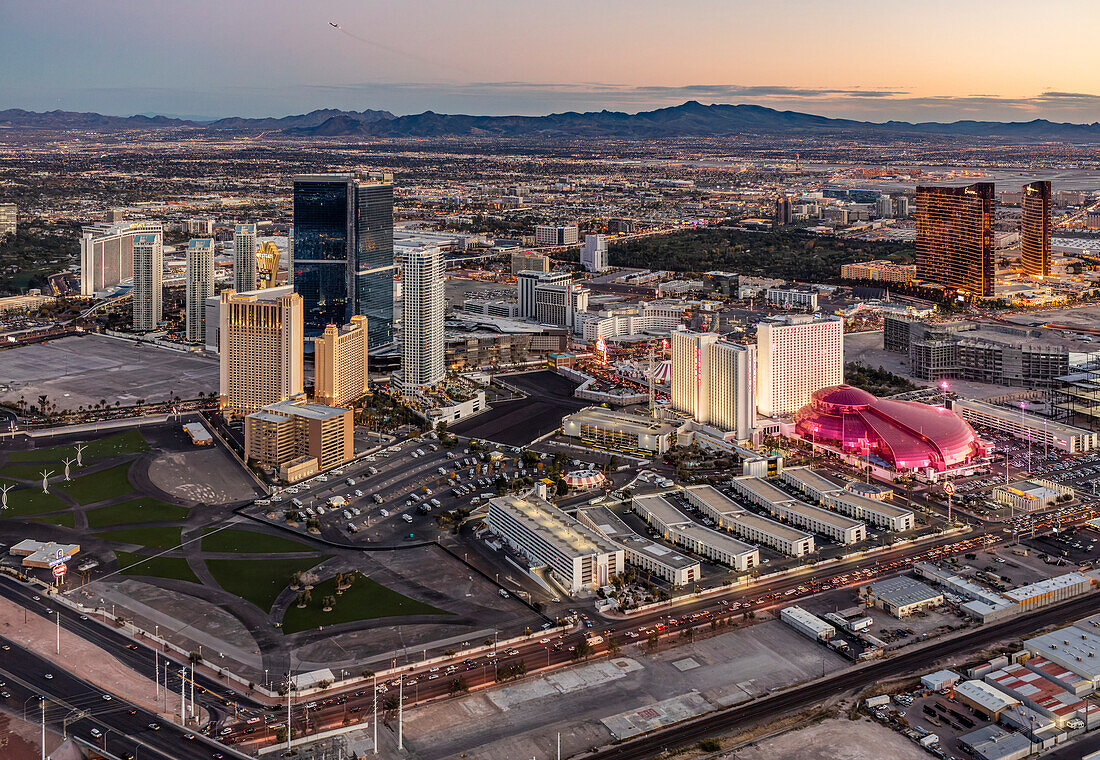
column 835, row 519
column 1014, row 414
column 568, row 534
column 1058, row 673
column 719, row 540
column 1046, row 586
column 661, row 508
column 994, row 743
column 812, row 479
column 308, row 409
column 1036, row 688
column 608, row 523
column 626, row 421
column 1077, row 648
column 715, row 499
column 771, row 527
column 989, row 697
column 874, row 506
column 806, row 618
column 763, row 489
column 902, row 591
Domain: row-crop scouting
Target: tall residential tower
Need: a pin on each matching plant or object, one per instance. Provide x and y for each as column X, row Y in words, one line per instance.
column 260, row 352
column 244, row 258
column 422, row 311
column 200, row 286
column 795, row 357
column 148, row 292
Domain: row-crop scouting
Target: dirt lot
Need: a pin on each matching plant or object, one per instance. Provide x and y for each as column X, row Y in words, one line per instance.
column 835, row 739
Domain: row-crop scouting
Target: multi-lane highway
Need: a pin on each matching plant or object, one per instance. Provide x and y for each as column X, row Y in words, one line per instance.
column 102, row 718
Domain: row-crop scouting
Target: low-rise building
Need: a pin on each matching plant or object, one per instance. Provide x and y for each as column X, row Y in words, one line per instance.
column 1032, row 495
column 1050, row 590
column 995, row 743
column 879, row 271
column 793, row 298
column 844, row 529
column 986, row 699
column 1025, row 426
column 807, row 624
column 731, row 516
column 650, row 556
column 1074, row 648
column 580, row 558
column 877, row 512
column 43, row 554
column 620, row 432
column 1039, row 693
column 941, row 680
column 901, row 596
column 676, row 527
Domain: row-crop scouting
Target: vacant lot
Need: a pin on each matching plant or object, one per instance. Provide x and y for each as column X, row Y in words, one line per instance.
column 259, row 581
column 363, row 600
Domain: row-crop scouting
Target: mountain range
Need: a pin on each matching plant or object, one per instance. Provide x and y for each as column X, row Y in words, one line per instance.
column 691, row 119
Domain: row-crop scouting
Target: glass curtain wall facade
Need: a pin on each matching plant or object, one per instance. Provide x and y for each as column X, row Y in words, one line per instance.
column 1035, row 229
column 955, row 237
column 343, row 251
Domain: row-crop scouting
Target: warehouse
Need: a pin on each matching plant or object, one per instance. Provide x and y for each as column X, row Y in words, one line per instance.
column 941, row 680
column 986, row 699
column 1044, row 696
column 641, row 552
column 994, row 743
column 676, row 527
column 807, row 624
column 1076, row 649
column 845, row 530
column 1049, row 591
column 879, row 513
column 580, row 558
column 901, row 596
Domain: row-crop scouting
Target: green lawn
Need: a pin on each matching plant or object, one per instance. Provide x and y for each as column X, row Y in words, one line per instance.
column 259, row 581
column 31, row 501
column 33, row 472
column 246, row 541
column 64, row 519
column 155, row 567
column 128, row 442
column 99, row 486
column 135, row 511
column 364, row 600
column 153, row 537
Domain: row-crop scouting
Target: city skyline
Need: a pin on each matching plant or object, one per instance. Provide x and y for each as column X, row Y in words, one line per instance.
column 499, row 59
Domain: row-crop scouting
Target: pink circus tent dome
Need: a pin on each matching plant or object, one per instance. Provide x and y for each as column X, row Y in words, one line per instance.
column 905, row 434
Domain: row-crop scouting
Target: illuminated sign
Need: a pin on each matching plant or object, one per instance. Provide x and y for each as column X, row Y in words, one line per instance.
column 60, row 570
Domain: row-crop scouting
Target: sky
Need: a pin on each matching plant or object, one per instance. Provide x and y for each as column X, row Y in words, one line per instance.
column 924, row 60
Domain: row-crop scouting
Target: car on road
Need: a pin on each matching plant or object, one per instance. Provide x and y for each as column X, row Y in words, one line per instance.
column 96, row 733
column 48, row 676
column 154, row 726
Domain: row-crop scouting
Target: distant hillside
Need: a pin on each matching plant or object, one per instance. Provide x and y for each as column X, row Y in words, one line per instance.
column 691, row 119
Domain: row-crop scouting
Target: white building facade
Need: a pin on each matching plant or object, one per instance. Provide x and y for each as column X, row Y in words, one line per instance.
column 200, row 286
column 594, row 253
column 422, row 348
column 795, row 357
column 244, row 258
column 148, row 292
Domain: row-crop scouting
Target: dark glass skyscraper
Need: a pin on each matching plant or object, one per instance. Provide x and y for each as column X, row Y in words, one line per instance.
column 1035, row 229
column 343, row 251
column 955, row 237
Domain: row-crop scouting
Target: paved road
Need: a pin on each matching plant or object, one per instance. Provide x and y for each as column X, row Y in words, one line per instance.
column 135, row 654
column 78, row 708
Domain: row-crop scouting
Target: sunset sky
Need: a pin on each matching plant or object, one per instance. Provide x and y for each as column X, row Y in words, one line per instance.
column 929, row 60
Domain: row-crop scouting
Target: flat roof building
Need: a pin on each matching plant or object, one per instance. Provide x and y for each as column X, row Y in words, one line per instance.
column 340, row 363
column 640, row 551
column 807, row 624
column 529, row 261
column 677, row 527
column 901, row 596
column 995, row 743
column 620, row 432
column 1039, row 693
column 42, row 554
column 1050, row 590
column 1031, row 495
column 284, row 432
column 1026, row 426
column 261, row 351
column 879, row 513
column 580, row 558
column 846, row 530
column 1075, row 649
column 731, row 516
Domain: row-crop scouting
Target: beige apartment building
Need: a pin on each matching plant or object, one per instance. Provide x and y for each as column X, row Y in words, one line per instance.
column 340, row 363
column 261, row 346
column 299, row 438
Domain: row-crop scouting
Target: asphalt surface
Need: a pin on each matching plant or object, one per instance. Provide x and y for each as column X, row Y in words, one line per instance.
column 135, row 654
column 77, row 708
column 802, row 697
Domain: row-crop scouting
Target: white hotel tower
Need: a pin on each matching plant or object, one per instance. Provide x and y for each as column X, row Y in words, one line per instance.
column 714, row 380
column 797, row 356
column 422, row 356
